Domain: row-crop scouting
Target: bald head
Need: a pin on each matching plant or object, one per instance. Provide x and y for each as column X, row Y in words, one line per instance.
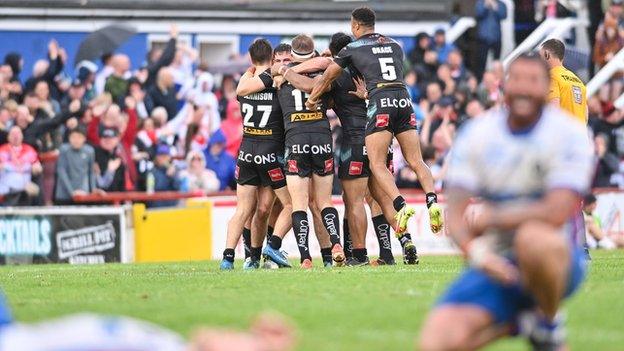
column 120, row 64
column 165, row 78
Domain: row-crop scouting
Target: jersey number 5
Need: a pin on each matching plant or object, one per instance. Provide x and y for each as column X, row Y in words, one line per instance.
column 248, row 110
column 388, row 72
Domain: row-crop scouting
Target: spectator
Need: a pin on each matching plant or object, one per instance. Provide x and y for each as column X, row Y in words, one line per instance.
column 105, row 72
column 85, row 74
column 18, row 164
column 232, row 128
column 441, row 116
column 612, row 125
column 165, row 176
column 220, row 161
column 110, row 168
column 608, row 44
column 596, row 237
column 163, row 93
column 196, row 178
column 607, row 163
column 456, row 67
column 47, row 70
column 489, row 15
column 422, row 43
column 75, row 173
column 441, row 47
column 204, row 98
column 157, row 59
column 490, row 93
column 46, row 103
column 34, row 129
column 13, row 86
column 117, row 83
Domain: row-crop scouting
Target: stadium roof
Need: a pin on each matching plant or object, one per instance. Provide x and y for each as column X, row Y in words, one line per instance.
column 397, row 10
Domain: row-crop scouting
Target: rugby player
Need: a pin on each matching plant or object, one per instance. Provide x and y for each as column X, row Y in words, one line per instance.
column 259, row 166
column 529, row 164
column 309, row 156
column 348, row 94
column 380, row 61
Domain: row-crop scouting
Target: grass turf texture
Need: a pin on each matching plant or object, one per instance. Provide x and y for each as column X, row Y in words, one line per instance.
column 341, row 309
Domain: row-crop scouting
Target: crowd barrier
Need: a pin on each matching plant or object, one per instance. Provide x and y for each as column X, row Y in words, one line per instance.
column 194, row 231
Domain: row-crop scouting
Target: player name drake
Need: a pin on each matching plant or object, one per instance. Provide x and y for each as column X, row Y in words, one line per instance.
column 382, row 49
column 260, row 96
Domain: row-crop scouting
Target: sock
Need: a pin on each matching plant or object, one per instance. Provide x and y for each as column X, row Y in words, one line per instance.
column 247, row 242
column 382, row 229
column 431, row 198
column 255, row 253
column 360, row 254
column 398, row 203
column 326, row 254
column 269, row 233
column 275, row 242
column 330, row 220
column 405, row 238
column 348, row 244
column 228, row 255
column 301, row 228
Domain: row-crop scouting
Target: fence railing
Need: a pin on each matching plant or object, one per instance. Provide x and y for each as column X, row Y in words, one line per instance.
column 612, row 67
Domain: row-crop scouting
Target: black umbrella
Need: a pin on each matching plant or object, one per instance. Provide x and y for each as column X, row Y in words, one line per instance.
column 104, row 40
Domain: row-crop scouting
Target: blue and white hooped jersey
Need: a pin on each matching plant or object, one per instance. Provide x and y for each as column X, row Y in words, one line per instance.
column 490, row 161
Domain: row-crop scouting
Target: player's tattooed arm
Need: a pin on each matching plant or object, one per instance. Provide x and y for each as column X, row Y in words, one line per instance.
column 323, row 85
column 249, row 83
column 301, row 82
column 312, row 65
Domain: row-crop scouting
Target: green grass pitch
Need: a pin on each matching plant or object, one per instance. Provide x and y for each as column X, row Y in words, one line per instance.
column 340, row 309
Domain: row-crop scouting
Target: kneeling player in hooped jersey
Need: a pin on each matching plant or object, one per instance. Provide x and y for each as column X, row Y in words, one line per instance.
column 259, row 169
column 380, row 60
column 309, row 157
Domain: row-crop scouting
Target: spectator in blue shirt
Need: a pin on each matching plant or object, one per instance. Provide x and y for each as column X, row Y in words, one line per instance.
column 441, row 46
column 220, row 161
column 165, row 175
column 489, row 15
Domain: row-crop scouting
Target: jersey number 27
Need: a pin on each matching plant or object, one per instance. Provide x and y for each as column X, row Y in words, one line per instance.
column 248, row 111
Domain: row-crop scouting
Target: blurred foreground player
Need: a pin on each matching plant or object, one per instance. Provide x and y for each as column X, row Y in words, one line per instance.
column 530, row 166
column 380, row 61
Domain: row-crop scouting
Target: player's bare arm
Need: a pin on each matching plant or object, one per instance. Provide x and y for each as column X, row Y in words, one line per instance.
column 316, row 64
column 249, row 83
column 299, row 81
column 324, row 84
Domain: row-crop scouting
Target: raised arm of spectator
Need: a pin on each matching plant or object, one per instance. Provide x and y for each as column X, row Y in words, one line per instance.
column 44, row 125
column 131, row 128
column 501, row 10
column 480, row 9
column 55, row 65
column 167, row 55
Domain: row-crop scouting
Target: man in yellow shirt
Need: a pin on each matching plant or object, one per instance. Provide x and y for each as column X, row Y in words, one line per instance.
column 566, row 89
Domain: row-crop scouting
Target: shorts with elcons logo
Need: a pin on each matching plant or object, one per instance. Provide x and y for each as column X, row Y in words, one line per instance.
column 354, row 163
column 308, row 153
column 390, row 109
column 261, row 163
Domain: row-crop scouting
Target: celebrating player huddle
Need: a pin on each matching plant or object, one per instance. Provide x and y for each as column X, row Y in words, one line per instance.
column 287, row 149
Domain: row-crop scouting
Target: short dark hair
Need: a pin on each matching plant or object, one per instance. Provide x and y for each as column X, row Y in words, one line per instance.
column 364, row 15
column 302, row 44
column 589, row 199
column 533, row 57
column 338, row 41
column 283, row 47
column 260, row 51
column 554, row 47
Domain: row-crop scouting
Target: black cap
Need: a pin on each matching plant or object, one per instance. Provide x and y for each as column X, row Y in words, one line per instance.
column 109, row 133
column 440, row 31
column 446, row 101
column 76, row 83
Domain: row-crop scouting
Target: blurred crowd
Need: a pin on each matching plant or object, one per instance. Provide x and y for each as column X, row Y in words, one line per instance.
column 170, row 125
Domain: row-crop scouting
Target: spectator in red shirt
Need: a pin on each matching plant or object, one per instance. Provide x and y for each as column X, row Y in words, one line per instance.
column 18, row 164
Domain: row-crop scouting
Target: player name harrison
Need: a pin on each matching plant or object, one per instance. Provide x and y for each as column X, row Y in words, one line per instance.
column 260, row 96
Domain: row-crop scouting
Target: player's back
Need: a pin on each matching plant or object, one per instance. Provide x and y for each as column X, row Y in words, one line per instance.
column 296, row 116
column 377, row 57
column 571, row 92
column 351, row 110
column 262, row 114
